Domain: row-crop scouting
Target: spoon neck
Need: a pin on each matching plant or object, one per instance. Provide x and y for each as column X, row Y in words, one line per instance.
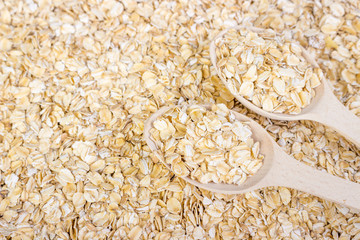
column 288, row 172
column 332, row 113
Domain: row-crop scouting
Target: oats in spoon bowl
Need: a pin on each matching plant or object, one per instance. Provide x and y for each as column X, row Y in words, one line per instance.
column 207, row 145
column 266, row 69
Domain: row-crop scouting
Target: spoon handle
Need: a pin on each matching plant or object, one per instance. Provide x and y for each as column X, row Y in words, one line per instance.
column 331, row 112
column 289, row 172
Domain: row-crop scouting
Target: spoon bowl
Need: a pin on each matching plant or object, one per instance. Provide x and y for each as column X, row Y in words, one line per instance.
column 259, row 135
column 278, row 169
column 324, row 107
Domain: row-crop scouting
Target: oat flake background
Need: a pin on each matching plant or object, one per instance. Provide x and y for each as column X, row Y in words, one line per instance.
column 79, row 78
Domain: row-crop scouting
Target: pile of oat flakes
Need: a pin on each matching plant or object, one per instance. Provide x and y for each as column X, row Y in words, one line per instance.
column 79, row 78
column 266, row 69
column 206, row 144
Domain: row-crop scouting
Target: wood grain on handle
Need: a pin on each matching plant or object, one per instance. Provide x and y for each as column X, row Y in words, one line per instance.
column 331, row 112
column 288, row 172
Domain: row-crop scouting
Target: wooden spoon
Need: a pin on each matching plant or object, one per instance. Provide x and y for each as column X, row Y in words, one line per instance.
column 279, row 169
column 324, row 108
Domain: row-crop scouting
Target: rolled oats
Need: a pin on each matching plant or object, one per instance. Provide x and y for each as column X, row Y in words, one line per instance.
column 266, row 69
column 66, row 65
column 207, row 145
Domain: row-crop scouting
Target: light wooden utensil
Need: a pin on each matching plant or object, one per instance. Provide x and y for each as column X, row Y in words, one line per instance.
column 324, row 108
column 279, row 169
